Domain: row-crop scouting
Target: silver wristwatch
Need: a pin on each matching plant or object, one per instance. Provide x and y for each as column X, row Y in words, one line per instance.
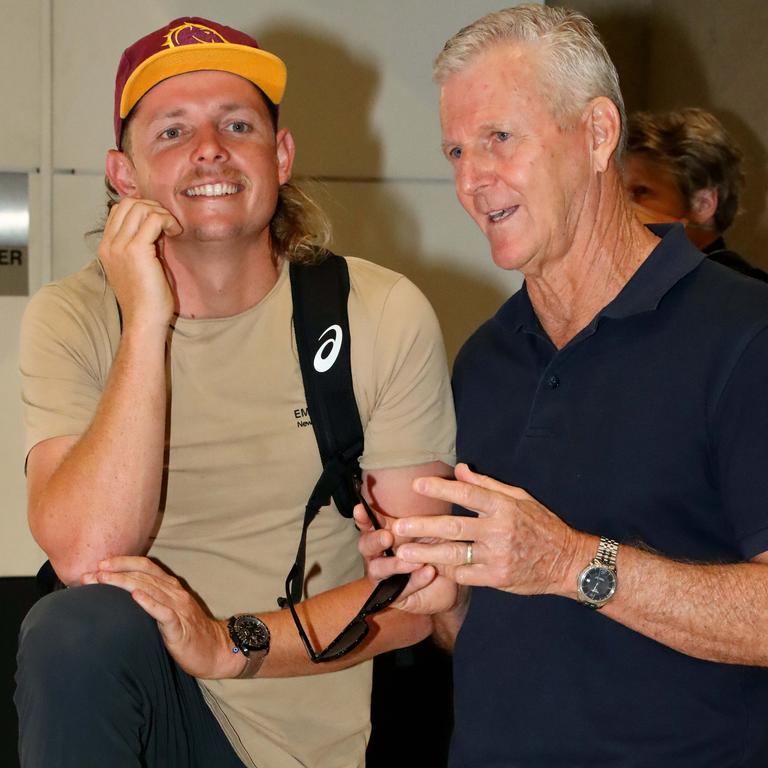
column 597, row 583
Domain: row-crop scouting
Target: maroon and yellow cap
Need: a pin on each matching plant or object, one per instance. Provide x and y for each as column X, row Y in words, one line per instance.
column 190, row 44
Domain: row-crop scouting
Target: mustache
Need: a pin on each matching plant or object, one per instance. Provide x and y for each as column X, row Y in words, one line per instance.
column 220, row 173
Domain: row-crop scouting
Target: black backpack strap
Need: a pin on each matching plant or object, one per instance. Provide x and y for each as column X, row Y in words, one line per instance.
column 321, row 324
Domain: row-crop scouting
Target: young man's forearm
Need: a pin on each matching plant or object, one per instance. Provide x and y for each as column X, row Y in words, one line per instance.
column 101, row 498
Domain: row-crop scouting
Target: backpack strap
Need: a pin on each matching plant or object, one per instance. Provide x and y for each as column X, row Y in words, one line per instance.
column 321, row 325
column 320, row 292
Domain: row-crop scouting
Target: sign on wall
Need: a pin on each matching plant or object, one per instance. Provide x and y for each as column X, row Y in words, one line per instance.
column 14, row 234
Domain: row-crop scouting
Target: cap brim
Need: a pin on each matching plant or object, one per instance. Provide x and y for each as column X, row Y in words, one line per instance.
column 262, row 68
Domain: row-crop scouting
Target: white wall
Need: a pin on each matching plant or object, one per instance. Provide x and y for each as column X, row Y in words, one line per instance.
column 359, row 101
column 21, row 132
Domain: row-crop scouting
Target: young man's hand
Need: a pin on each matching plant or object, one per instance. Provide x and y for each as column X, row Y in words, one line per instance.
column 131, row 253
column 199, row 643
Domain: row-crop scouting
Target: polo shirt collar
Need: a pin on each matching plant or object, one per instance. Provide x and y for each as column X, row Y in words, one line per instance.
column 671, row 260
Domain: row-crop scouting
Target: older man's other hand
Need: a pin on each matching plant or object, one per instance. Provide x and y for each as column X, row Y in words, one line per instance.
column 515, row 544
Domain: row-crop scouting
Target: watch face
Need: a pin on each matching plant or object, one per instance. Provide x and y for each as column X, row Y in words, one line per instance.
column 597, row 583
column 251, row 632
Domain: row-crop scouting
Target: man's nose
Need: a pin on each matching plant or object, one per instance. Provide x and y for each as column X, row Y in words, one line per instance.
column 210, row 146
column 473, row 172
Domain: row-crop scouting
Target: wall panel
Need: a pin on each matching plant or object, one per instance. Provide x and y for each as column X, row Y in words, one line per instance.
column 360, row 97
column 19, row 85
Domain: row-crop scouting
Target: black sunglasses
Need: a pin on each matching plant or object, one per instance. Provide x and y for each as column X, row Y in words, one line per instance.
column 355, row 632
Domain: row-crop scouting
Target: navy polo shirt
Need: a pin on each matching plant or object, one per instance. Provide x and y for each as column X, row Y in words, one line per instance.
column 649, row 427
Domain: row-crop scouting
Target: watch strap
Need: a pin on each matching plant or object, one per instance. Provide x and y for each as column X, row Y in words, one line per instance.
column 605, row 557
column 607, row 551
column 253, row 662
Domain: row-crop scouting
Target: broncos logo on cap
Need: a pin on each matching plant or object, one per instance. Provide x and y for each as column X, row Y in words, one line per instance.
column 192, row 34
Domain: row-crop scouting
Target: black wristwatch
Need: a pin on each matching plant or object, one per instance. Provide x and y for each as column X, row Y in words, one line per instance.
column 597, row 583
column 250, row 636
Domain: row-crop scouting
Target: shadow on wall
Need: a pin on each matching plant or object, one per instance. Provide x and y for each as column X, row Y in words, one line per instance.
column 749, row 233
column 329, row 97
column 636, row 41
column 389, row 233
column 680, row 76
column 329, row 102
column 626, row 33
column 662, row 65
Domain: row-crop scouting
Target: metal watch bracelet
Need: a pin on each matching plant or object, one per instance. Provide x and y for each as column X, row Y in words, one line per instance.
column 607, row 551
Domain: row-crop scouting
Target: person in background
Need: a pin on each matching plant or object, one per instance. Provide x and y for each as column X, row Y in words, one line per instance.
column 682, row 165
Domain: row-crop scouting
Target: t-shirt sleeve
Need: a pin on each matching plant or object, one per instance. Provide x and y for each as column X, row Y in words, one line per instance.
column 412, row 419
column 64, row 360
column 740, row 439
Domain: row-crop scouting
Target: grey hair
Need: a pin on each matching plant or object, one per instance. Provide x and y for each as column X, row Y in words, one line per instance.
column 576, row 67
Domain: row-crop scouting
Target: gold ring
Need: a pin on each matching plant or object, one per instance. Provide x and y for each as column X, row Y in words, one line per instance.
column 468, row 559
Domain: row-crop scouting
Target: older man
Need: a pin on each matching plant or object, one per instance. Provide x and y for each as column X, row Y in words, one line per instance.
column 162, row 393
column 614, row 417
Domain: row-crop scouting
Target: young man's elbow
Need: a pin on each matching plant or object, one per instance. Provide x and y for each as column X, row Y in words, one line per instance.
column 70, row 570
column 70, row 558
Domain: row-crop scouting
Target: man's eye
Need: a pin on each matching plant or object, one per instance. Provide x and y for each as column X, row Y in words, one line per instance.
column 502, row 135
column 171, row 133
column 454, row 153
column 239, row 126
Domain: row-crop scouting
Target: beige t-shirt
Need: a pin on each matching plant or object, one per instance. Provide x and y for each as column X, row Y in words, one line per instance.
column 242, row 461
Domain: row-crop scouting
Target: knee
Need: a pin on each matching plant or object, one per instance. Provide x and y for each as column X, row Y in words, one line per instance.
column 78, row 631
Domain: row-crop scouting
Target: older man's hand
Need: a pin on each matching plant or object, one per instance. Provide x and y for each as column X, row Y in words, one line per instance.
column 515, row 544
column 429, row 590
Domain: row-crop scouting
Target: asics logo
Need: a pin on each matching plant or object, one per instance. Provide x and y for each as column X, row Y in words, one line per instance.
column 329, row 349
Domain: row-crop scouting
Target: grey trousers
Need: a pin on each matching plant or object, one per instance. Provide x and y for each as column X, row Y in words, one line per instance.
column 96, row 687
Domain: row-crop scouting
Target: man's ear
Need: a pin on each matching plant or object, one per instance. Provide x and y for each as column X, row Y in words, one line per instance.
column 286, row 151
column 121, row 173
column 703, row 206
column 604, row 127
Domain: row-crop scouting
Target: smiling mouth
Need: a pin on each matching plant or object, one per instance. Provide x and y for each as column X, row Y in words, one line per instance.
column 213, row 190
column 501, row 214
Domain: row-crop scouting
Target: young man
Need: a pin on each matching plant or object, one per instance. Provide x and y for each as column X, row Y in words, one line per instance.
column 170, row 454
column 615, row 434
